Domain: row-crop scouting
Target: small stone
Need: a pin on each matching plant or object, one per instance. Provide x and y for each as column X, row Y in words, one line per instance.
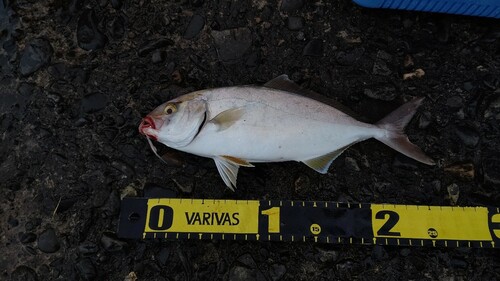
column 380, row 68
column 453, row 193
column 163, row 256
column 277, row 271
column 185, row 184
column 194, row 27
column 295, row 23
column 424, row 120
column 302, row 183
column 128, row 191
column 111, row 243
column 88, row 35
column 405, row 252
column 152, row 190
column 157, row 56
column 468, row 86
column 35, row 55
column 454, row 102
column 379, row 253
column 26, row 238
column 327, row 256
column 93, row 102
column 48, row 241
column 301, row 36
column 384, row 92
column 23, row 273
column 383, row 55
column 465, row 171
column 247, row 260
column 240, row 273
column 291, row 5
column 313, row 48
column 13, row 222
column 232, row 44
column 132, row 276
column 491, row 171
column 351, row 164
column 468, row 135
column 153, row 45
column 88, row 248
column 86, row 269
column 116, row 4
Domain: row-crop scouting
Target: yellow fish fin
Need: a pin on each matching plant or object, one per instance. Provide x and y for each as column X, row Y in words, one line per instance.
column 322, row 163
column 228, row 171
column 227, row 118
column 237, row 161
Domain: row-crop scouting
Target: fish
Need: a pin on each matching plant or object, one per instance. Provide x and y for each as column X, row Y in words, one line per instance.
column 242, row 125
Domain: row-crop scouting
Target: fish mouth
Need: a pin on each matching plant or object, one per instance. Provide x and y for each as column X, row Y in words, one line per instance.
column 147, row 124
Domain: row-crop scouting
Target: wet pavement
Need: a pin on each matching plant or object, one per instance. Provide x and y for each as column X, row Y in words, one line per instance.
column 77, row 76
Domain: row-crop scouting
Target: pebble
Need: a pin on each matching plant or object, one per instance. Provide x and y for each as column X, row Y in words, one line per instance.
column 232, row 44
column 93, row 102
column 88, row 248
column 424, row 120
column 277, row 271
column 465, row 171
column 302, row 183
column 157, row 57
column 313, row 48
column 247, row 260
column 111, row 243
column 23, row 273
column 26, row 238
column 163, row 255
column 379, row 253
column 291, row 5
column 468, row 135
column 405, row 252
column 453, row 193
column 116, row 27
column 468, row 86
column 35, row 55
column 454, row 102
column 13, row 222
column 123, row 167
column 194, row 27
column 384, row 92
column 89, row 37
column 351, row 57
column 150, row 46
column 491, row 171
column 48, row 241
column 295, row 23
column 152, row 190
column 241, row 273
column 86, row 269
column 116, row 4
column 351, row 164
column 380, row 68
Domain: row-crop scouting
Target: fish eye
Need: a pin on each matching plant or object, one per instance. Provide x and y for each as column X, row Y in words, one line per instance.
column 170, row 108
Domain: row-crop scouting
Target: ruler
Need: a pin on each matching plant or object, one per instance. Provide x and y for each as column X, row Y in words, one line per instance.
column 316, row 221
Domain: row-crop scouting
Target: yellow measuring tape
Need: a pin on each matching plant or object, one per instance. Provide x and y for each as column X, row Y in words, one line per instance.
column 318, row 221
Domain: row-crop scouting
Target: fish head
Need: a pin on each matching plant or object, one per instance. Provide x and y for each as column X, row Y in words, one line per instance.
column 175, row 123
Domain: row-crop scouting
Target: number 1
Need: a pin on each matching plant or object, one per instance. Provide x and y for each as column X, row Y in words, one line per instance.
column 273, row 216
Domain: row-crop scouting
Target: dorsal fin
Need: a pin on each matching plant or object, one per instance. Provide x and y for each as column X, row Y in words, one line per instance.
column 284, row 83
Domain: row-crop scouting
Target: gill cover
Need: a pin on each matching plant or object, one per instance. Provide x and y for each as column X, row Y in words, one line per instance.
column 182, row 126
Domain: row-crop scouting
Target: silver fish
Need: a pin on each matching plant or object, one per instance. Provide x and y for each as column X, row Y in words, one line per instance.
column 237, row 126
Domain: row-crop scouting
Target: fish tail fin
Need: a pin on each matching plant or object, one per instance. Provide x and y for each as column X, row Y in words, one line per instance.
column 394, row 135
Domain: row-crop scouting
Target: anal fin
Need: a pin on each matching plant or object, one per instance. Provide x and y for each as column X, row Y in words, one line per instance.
column 228, row 167
column 322, row 163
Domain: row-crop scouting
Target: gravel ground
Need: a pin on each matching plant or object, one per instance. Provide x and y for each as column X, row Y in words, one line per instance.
column 77, row 76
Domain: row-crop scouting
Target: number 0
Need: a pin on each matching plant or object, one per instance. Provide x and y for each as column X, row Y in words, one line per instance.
column 273, row 216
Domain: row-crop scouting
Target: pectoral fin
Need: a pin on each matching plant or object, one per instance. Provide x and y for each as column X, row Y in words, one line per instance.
column 227, row 118
column 322, row 163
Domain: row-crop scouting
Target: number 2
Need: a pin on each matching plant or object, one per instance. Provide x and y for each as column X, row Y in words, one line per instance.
column 386, row 228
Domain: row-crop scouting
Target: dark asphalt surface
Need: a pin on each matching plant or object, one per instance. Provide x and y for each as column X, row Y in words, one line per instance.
column 77, row 76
